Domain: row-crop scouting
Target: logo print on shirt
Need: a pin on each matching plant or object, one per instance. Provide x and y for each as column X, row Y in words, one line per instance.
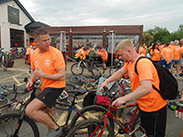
column 47, row 62
column 131, row 74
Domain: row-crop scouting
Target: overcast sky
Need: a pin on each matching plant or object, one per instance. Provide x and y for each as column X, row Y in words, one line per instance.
column 150, row 13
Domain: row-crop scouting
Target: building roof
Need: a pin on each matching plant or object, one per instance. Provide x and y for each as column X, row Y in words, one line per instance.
column 21, row 7
column 34, row 25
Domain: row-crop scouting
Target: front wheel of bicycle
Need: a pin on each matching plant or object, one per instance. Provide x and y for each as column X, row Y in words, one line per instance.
column 77, row 69
column 87, row 127
column 136, row 125
column 8, row 124
column 91, row 112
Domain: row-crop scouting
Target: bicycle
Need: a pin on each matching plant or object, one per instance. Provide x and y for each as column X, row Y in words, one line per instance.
column 78, row 68
column 4, row 59
column 117, row 65
column 98, row 128
column 19, row 124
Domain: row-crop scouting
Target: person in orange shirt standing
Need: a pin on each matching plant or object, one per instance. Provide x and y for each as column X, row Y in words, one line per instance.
column 143, row 50
column 104, row 55
column 176, row 57
column 48, row 65
column 152, row 106
column 155, row 53
column 167, row 56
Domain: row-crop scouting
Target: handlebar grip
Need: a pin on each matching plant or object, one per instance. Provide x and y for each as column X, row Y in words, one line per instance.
column 28, row 89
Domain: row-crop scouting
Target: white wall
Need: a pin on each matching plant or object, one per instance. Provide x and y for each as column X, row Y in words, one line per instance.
column 6, row 26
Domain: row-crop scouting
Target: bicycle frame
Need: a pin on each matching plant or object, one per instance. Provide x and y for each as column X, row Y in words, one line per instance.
column 121, row 124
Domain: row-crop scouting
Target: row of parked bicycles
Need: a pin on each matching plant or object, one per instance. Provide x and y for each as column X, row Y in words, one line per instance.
column 7, row 57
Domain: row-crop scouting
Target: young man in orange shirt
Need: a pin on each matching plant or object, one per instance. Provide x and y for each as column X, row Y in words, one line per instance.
column 151, row 104
column 48, row 64
column 167, row 56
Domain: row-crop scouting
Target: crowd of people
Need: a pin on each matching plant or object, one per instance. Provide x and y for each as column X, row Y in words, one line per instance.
column 92, row 53
column 169, row 55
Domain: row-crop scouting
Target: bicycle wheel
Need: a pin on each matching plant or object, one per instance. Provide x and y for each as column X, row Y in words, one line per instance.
column 4, row 63
column 94, row 112
column 112, row 70
column 8, row 123
column 91, row 86
column 95, row 72
column 76, row 69
column 136, row 125
column 87, row 127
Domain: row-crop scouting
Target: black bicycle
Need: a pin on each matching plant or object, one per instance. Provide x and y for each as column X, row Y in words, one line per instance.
column 78, row 68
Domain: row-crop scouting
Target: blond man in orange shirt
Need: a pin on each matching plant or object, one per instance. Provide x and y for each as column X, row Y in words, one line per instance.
column 48, row 64
column 151, row 104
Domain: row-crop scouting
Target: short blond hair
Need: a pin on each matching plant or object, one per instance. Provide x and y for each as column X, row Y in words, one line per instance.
column 124, row 44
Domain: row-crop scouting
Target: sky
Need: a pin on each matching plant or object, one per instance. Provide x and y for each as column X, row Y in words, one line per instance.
column 149, row 13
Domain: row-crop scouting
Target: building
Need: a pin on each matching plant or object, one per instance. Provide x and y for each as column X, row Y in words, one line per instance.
column 14, row 24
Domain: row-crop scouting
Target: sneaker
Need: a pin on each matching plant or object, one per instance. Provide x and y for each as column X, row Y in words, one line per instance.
column 54, row 133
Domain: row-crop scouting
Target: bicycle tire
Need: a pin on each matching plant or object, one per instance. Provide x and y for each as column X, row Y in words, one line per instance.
column 89, row 109
column 91, row 86
column 8, row 123
column 137, row 122
column 95, row 72
column 4, row 63
column 87, row 127
column 112, row 70
column 77, row 70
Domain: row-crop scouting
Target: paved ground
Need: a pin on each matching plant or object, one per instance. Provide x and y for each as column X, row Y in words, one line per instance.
column 21, row 70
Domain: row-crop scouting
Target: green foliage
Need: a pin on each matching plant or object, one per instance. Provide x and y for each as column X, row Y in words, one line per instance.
column 162, row 34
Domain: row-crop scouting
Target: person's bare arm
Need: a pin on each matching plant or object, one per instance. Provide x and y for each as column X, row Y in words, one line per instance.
column 144, row 89
column 58, row 76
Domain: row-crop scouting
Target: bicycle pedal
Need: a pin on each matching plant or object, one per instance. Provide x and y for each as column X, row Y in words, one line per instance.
column 121, row 131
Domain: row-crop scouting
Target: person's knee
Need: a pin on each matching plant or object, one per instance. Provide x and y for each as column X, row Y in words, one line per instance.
column 29, row 110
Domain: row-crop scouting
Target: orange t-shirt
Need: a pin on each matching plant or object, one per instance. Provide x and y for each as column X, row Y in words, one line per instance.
column 176, row 52
column 82, row 52
column 142, row 51
column 103, row 53
column 28, row 52
column 156, row 55
column 152, row 101
column 167, row 53
column 49, row 62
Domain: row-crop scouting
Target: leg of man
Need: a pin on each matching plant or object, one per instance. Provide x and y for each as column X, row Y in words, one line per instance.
column 154, row 123
column 34, row 111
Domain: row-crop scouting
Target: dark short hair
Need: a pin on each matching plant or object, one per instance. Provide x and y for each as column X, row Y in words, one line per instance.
column 39, row 31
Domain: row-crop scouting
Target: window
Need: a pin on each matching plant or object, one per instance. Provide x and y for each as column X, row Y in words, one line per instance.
column 16, row 38
column 13, row 15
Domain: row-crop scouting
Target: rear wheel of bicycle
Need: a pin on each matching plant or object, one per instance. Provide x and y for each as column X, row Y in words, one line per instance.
column 136, row 125
column 95, row 72
column 91, row 112
column 8, row 124
column 76, row 69
column 87, row 127
column 4, row 63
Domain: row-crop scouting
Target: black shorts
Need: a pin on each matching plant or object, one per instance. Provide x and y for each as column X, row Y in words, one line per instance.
column 154, row 123
column 49, row 95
